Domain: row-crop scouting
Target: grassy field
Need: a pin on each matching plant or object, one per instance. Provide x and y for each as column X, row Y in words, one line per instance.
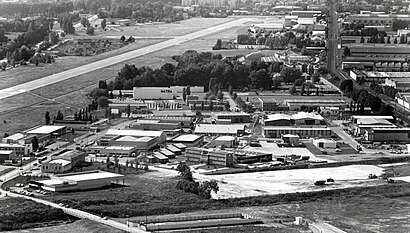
column 17, row 213
column 70, row 93
column 83, row 226
column 243, row 229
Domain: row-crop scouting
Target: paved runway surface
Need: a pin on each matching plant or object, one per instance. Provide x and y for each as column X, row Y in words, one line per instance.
column 55, row 78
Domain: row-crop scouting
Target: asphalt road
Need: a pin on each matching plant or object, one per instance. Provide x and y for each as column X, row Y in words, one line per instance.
column 55, row 78
column 322, row 227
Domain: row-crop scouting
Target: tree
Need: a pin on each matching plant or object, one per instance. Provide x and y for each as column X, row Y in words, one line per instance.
column 346, row 51
column 185, row 171
column 90, row 31
column 362, row 40
column 315, row 77
column 346, row 85
column 84, row 21
column 206, row 187
column 290, row 75
column 292, row 90
column 103, row 24
column 122, row 38
column 47, row 117
column 34, row 143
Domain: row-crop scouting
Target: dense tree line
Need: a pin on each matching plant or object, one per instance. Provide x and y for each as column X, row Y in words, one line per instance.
column 22, row 10
column 203, row 69
column 21, row 47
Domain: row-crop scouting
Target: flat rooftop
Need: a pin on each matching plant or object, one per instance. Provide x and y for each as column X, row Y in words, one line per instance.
column 46, row 129
column 135, row 133
column 14, row 137
column 95, row 175
column 187, row 138
column 378, row 74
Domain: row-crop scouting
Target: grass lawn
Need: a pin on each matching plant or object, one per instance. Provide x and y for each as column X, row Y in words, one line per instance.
column 79, row 226
column 19, row 213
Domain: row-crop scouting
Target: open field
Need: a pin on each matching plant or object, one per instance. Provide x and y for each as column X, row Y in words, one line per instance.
column 242, row 229
column 79, row 226
column 67, row 93
column 18, row 213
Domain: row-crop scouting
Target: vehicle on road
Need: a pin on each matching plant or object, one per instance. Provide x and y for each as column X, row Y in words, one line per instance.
column 320, row 182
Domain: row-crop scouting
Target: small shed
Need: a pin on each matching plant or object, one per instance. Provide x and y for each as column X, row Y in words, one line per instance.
column 324, row 143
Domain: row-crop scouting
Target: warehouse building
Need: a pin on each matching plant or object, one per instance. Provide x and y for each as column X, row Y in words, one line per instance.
column 360, row 118
column 402, row 84
column 146, row 93
column 78, row 181
column 403, row 99
column 233, row 117
column 324, row 143
column 20, row 150
column 225, row 141
column 302, row 132
column 302, row 104
column 266, row 104
column 365, row 124
column 7, row 155
column 217, row 130
column 300, row 118
column 50, row 131
column 388, row 135
column 159, row 135
column 225, row 158
column 189, row 140
column 63, row 162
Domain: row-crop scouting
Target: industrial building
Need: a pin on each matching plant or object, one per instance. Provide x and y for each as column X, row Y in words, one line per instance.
column 388, row 135
column 266, row 104
column 225, row 158
column 324, row 143
column 366, row 124
column 159, row 135
column 298, row 105
column 155, row 125
column 49, row 131
column 225, row 141
column 63, row 162
column 302, row 132
column 231, row 117
column 402, row 84
column 78, row 181
column 7, row 155
column 300, row 118
column 146, row 93
column 189, row 140
column 403, row 99
column 217, row 130
column 20, row 150
column 359, row 118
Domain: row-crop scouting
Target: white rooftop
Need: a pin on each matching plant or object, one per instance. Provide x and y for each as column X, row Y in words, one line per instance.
column 62, row 161
column 14, row 137
column 11, row 145
column 46, row 129
column 135, row 133
column 6, row 152
column 187, row 138
column 218, row 129
column 89, row 176
column 225, row 138
column 126, row 148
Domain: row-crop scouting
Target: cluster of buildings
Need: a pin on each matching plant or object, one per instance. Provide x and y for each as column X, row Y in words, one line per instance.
column 18, row 145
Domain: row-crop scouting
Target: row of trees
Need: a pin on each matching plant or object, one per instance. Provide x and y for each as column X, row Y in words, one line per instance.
column 387, row 90
column 381, row 39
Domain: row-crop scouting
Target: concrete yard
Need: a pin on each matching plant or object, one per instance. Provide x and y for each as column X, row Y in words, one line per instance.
column 291, row 181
